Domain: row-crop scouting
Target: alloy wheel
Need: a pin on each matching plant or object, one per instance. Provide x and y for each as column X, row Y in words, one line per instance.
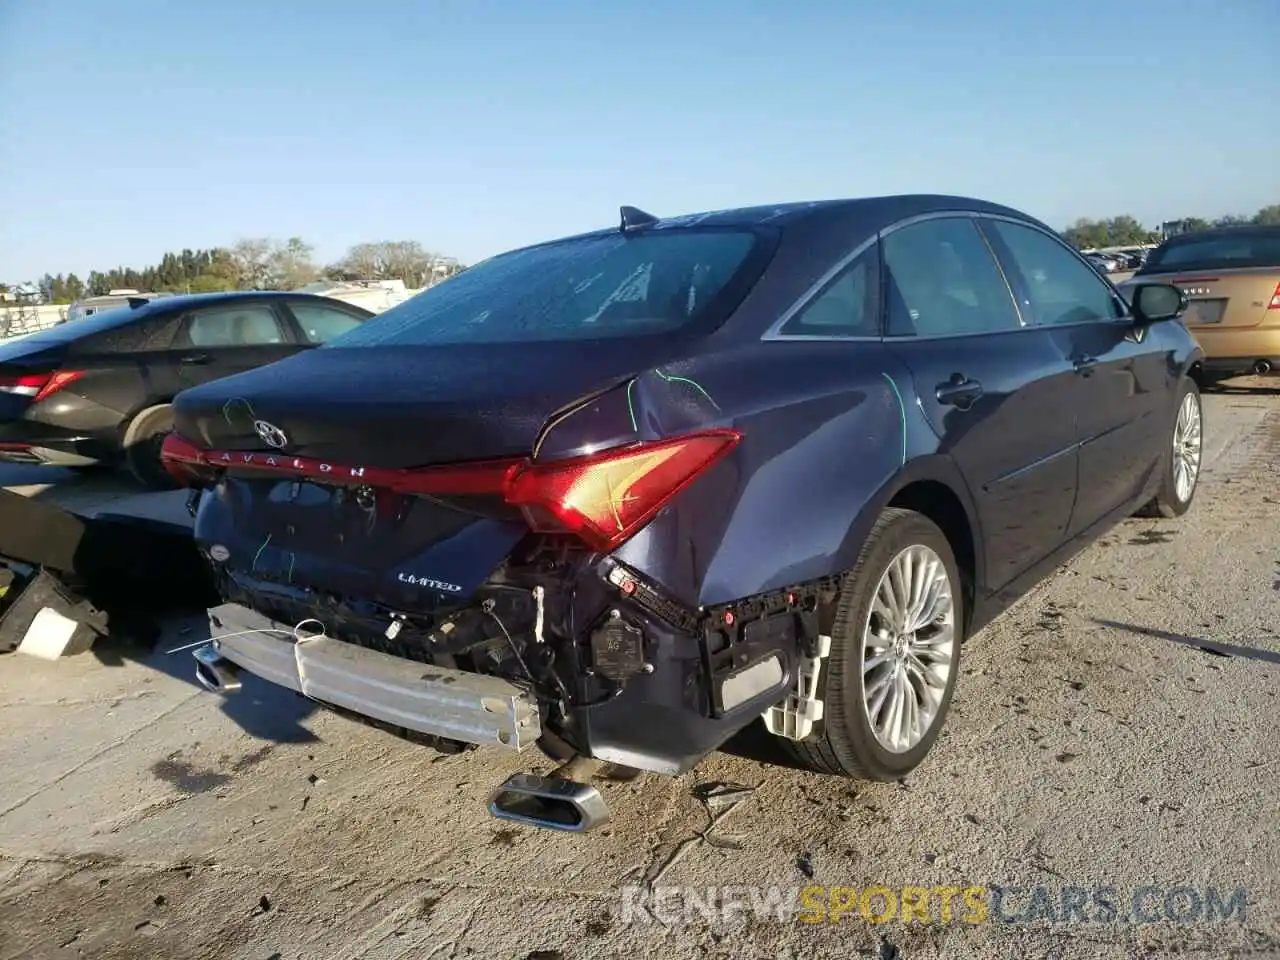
column 908, row 648
column 1187, row 440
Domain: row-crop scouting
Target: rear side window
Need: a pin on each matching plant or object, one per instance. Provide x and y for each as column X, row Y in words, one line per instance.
column 1245, row 247
column 1057, row 286
column 147, row 335
column 942, row 280
column 606, row 285
column 847, row 307
column 247, row 325
column 321, row 323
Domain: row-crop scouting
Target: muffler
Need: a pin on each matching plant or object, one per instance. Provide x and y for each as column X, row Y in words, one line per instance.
column 554, row 802
column 1262, row 367
column 214, row 671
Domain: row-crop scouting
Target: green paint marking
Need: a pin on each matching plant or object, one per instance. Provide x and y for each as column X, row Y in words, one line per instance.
column 258, row 555
column 631, row 407
column 693, row 383
column 902, row 409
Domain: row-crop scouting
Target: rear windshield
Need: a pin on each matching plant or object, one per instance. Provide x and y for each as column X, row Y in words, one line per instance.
column 1242, row 248
column 75, row 328
column 605, row 285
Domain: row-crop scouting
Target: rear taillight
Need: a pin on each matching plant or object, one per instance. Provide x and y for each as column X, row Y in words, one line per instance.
column 186, row 462
column 1275, row 299
column 37, row 386
column 605, row 498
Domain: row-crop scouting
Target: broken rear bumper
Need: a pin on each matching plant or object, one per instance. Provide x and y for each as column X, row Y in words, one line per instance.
column 437, row 701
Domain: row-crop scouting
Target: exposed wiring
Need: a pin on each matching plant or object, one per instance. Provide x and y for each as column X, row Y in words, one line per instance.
column 488, row 606
column 294, row 634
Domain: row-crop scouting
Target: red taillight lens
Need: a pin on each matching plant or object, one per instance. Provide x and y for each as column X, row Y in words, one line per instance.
column 1275, row 299
column 605, row 498
column 185, row 462
column 37, row 386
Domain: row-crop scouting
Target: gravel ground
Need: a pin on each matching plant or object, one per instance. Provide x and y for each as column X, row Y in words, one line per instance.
column 1114, row 730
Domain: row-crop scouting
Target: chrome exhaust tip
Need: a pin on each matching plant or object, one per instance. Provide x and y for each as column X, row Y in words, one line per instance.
column 1262, row 367
column 553, row 802
column 214, row 671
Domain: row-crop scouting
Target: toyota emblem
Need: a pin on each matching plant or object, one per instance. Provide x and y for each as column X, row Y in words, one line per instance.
column 271, row 435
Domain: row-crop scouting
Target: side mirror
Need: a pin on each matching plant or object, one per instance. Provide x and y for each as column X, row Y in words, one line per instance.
column 1152, row 302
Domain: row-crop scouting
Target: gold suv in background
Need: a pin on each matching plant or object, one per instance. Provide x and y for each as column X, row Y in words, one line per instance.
column 1231, row 277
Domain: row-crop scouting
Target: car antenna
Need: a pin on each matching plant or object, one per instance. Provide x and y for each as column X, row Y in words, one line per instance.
column 633, row 218
column 136, row 302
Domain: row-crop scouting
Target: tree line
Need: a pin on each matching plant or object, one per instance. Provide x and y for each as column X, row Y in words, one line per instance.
column 263, row 263
column 259, row 263
column 1125, row 231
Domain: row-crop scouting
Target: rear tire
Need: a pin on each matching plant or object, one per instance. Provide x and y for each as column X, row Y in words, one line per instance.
column 1183, row 458
column 849, row 744
column 142, row 442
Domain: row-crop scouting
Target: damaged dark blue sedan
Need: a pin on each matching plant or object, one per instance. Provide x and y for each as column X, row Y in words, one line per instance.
column 622, row 494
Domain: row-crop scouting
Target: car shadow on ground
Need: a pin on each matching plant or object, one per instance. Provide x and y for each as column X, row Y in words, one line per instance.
column 1207, row 646
column 1246, row 387
column 754, row 742
column 259, row 708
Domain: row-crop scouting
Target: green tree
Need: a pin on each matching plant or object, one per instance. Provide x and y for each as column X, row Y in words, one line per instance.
column 1125, row 231
column 209, row 283
column 1268, row 215
column 291, row 264
column 1085, row 234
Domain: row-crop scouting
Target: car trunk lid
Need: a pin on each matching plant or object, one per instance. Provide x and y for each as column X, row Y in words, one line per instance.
column 407, row 406
column 1239, row 297
column 337, row 510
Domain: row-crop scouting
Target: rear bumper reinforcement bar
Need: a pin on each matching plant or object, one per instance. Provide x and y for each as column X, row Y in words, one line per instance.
column 439, row 701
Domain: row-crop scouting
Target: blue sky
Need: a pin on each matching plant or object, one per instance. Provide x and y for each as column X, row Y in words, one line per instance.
column 134, row 127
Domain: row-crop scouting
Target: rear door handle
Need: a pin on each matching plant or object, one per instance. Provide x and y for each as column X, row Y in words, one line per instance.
column 959, row 392
column 196, row 358
column 1085, row 365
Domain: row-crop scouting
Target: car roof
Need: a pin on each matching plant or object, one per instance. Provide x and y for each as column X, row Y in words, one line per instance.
column 860, row 214
column 1267, row 229
column 186, row 301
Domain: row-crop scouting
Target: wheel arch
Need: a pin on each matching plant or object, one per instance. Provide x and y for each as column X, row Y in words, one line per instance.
column 932, row 486
column 134, row 417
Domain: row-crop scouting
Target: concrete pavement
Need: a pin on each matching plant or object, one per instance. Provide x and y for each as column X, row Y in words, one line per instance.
column 1115, row 729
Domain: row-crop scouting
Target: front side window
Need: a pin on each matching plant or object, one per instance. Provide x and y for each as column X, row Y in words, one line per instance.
column 321, row 323
column 660, row 281
column 847, row 307
column 250, row 325
column 941, row 280
column 1058, row 287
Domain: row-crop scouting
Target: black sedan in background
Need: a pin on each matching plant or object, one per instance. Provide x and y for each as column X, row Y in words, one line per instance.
column 96, row 391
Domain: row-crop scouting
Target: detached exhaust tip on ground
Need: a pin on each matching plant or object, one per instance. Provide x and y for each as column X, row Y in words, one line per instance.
column 553, row 802
column 214, row 671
